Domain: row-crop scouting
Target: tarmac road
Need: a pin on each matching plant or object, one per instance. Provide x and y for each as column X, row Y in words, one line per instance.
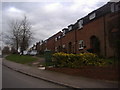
column 13, row 79
column 0, row 73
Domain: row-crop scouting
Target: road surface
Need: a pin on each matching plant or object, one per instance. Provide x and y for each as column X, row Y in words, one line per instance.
column 0, row 72
column 13, row 79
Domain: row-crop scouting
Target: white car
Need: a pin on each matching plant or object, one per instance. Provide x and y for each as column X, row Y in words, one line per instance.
column 24, row 52
column 33, row 52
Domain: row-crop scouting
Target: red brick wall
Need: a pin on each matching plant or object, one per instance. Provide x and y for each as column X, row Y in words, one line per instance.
column 111, row 18
column 97, row 27
column 51, row 43
column 58, row 42
column 69, row 37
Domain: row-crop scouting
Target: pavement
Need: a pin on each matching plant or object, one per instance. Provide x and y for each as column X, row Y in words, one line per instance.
column 60, row 78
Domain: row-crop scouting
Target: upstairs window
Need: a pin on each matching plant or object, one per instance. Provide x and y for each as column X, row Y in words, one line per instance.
column 56, row 39
column 70, row 28
column 80, row 24
column 41, row 42
column 45, row 41
column 63, row 32
column 34, row 48
column 117, row 7
column 59, row 37
column 81, row 44
column 92, row 16
column 112, row 7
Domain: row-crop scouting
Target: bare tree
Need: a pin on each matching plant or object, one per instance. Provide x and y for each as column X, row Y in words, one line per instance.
column 6, row 50
column 15, row 27
column 25, row 34
column 21, row 34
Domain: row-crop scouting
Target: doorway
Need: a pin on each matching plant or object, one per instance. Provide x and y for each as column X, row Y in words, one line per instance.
column 95, row 44
column 70, row 47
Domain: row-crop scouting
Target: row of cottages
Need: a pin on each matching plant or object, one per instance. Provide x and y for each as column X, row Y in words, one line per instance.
column 97, row 33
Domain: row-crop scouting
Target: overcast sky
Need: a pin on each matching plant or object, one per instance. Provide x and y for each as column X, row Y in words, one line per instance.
column 48, row 18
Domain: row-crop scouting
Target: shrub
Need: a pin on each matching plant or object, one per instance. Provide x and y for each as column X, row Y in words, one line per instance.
column 76, row 60
column 60, row 59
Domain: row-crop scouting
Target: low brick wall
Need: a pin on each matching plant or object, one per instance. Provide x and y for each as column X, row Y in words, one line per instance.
column 103, row 73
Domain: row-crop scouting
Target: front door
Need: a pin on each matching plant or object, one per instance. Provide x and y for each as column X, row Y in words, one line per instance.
column 95, row 44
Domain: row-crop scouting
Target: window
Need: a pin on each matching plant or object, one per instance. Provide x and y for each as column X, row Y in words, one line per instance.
column 46, row 49
column 80, row 24
column 117, row 7
column 112, row 7
column 56, row 39
column 59, row 37
column 81, row 44
column 63, row 32
column 70, row 28
column 41, row 43
column 56, row 49
column 34, row 47
column 92, row 16
column 63, row 46
column 45, row 41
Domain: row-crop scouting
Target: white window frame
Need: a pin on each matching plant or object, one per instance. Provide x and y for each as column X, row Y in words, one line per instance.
column 63, row 32
column 92, row 16
column 59, row 37
column 34, row 47
column 63, row 46
column 56, row 39
column 70, row 28
column 56, row 49
column 81, row 44
column 41, row 43
column 45, row 41
column 80, row 24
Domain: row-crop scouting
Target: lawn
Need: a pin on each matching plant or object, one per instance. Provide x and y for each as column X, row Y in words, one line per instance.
column 23, row 59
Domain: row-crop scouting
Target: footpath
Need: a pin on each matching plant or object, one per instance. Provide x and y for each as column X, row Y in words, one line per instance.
column 59, row 78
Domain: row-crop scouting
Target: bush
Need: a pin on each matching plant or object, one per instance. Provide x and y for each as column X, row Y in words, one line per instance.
column 76, row 60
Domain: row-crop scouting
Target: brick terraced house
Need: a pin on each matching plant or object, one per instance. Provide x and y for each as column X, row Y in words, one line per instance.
column 97, row 33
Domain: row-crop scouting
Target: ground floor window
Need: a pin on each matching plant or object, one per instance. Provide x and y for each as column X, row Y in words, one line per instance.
column 63, row 46
column 56, row 49
column 81, row 44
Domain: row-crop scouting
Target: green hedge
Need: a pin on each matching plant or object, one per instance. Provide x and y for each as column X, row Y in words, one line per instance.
column 76, row 60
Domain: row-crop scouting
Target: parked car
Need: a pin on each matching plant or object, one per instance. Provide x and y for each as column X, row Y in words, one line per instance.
column 24, row 52
column 33, row 52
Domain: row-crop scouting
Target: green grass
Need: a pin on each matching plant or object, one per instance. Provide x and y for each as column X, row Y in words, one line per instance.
column 20, row 59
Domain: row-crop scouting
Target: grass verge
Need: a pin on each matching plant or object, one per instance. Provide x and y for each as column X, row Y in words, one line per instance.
column 20, row 58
